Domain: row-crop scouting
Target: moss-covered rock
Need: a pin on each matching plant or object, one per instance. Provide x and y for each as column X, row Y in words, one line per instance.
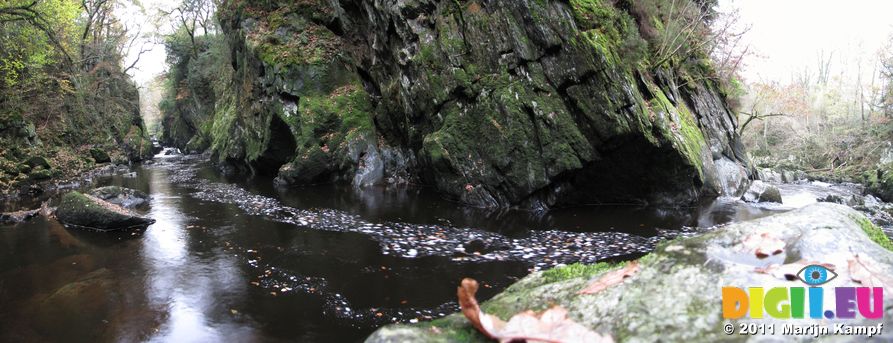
column 81, row 210
column 40, row 174
column 879, row 182
column 676, row 294
column 99, row 155
column 38, row 161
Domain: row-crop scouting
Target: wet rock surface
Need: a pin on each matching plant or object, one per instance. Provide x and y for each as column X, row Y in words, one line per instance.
column 682, row 279
column 87, row 211
column 496, row 104
column 762, row 192
column 124, row 197
column 17, row 216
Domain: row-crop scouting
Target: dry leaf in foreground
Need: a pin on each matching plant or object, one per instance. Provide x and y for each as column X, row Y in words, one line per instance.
column 550, row 326
column 611, row 278
column 763, row 244
column 864, row 270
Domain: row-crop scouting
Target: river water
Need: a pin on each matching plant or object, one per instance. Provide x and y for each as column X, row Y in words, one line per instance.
column 242, row 260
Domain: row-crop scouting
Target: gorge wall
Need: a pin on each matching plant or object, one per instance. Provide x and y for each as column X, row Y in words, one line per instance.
column 69, row 127
column 525, row 103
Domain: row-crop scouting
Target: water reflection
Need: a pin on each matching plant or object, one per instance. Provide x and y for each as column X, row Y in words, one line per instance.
column 176, row 280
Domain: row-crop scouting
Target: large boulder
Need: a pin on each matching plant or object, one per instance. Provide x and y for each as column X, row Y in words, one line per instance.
column 124, row 197
column 879, row 182
column 100, row 156
column 760, row 191
column 676, row 294
column 82, row 210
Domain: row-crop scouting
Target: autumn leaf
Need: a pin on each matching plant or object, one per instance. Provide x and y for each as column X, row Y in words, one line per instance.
column 864, row 270
column 550, row 326
column 763, row 245
column 611, row 278
column 789, row 271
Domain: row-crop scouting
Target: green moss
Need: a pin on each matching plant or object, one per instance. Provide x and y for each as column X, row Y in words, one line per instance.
column 40, row 174
column 308, row 45
column 874, row 233
column 576, row 270
column 682, row 129
column 610, row 30
column 346, row 112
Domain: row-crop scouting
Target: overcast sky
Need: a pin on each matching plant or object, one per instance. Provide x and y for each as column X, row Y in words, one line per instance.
column 152, row 63
column 789, row 34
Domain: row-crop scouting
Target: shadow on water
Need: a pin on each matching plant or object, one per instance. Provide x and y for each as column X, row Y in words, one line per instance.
column 421, row 205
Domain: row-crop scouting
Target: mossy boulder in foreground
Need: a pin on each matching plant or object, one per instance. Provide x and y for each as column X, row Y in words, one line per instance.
column 87, row 211
column 676, row 295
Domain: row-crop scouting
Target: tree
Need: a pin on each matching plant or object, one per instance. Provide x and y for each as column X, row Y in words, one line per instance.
column 192, row 15
column 885, row 101
column 49, row 17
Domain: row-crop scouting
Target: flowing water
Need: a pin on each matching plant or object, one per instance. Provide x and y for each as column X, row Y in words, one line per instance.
column 242, row 260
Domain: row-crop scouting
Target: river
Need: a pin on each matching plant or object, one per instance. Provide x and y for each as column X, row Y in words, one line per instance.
column 234, row 259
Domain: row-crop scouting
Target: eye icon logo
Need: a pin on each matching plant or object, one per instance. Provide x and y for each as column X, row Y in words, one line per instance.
column 815, row 275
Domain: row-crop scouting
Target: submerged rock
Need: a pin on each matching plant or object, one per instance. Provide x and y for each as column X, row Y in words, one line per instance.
column 675, row 296
column 17, row 216
column 760, row 191
column 124, row 197
column 88, row 211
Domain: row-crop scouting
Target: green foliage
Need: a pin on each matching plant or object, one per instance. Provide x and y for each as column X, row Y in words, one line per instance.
column 53, row 109
column 605, row 26
column 26, row 49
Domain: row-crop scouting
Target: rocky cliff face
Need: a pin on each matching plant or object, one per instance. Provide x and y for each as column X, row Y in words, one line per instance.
column 496, row 103
column 57, row 133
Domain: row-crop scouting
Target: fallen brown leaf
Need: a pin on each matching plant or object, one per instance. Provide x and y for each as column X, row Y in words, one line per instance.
column 550, row 326
column 864, row 270
column 763, row 245
column 611, row 278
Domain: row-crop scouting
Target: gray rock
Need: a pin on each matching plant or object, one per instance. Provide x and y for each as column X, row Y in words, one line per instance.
column 81, row 210
column 124, row 197
column 760, row 191
column 675, row 296
column 769, row 175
